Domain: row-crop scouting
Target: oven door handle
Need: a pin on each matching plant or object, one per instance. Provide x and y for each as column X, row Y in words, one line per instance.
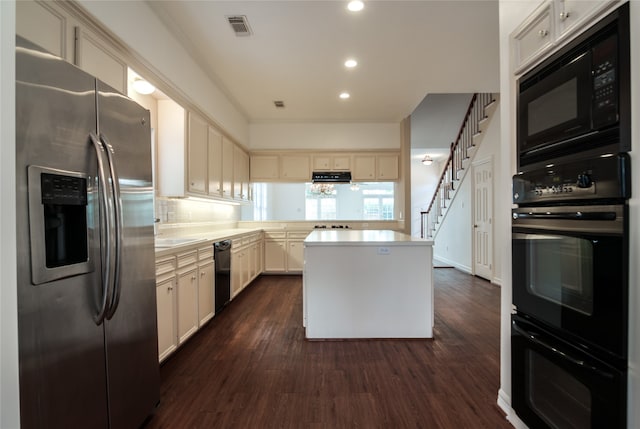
column 568, row 216
column 574, row 360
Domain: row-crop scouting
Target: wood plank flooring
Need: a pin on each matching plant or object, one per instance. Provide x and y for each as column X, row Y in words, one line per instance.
column 252, row 368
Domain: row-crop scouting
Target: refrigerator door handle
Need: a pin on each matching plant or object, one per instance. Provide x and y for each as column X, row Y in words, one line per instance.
column 107, row 204
column 117, row 206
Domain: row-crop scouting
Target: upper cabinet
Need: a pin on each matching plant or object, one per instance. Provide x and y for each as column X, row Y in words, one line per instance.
column 264, row 167
column 295, row 167
column 214, row 159
column 273, row 166
column 52, row 27
column 171, row 151
column 197, row 149
column 95, row 57
column 553, row 23
column 45, row 26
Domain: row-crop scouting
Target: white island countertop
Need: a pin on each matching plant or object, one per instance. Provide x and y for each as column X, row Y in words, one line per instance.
column 367, row 284
column 331, row 237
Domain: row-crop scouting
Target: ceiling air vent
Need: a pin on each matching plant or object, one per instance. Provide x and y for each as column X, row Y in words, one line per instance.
column 279, row 104
column 240, row 25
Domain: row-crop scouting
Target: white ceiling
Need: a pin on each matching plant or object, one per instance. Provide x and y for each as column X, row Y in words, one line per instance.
column 405, row 50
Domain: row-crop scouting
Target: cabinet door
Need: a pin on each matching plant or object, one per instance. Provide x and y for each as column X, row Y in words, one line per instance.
column 295, row 167
column 387, row 167
column 206, row 296
column 165, row 301
column 575, row 14
column 95, row 57
column 170, row 173
column 227, row 168
column 240, row 174
column 197, row 147
column 295, row 256
column 187, row 303
column 322, row 163
column 342, row 163
column 534, row 36
column 264, row 167
column 236, row 271
column 214, row 156
column 275, row 256
column 364, row 167
column 43, row 25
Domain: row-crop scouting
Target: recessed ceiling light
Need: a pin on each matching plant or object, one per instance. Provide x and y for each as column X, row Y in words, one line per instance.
column 350, row 63
column 355, row 6
column 344, row 95
column 141, row 86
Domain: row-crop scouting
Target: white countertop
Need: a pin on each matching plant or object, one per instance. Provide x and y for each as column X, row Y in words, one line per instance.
column 363, row 237
column 201, row 238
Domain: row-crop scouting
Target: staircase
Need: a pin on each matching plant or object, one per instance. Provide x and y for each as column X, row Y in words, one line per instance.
column 461, row 155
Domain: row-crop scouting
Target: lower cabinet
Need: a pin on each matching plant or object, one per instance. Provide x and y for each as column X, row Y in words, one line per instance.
column 184, row 296
column 166, row 304
column 284, row 251
column 187, row 303
column 246, row 261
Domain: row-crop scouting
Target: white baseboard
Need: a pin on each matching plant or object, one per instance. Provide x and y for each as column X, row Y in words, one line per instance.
column 448, row 263
column 504, row 402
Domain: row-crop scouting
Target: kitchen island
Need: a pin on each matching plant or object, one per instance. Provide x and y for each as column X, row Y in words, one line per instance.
column 367, row 284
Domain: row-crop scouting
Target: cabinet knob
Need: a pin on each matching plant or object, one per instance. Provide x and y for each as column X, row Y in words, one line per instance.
column 543, row 33
column 193, row 277
column 564, row 15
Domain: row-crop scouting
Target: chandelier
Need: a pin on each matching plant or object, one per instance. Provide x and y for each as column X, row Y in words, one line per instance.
column 322, row 189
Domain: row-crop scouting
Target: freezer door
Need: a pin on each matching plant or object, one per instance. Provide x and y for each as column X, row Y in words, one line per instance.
column 61, row 348
column 131, row 331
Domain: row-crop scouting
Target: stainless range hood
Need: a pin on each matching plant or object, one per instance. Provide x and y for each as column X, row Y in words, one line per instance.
column 331, row 177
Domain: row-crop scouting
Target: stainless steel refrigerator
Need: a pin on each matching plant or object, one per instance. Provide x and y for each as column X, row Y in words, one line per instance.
column 86, row 287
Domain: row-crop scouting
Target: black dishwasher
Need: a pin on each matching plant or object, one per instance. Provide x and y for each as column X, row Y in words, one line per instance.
column 222, row 256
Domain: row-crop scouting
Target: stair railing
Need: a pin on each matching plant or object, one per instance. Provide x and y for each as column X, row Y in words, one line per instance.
column 458, row 153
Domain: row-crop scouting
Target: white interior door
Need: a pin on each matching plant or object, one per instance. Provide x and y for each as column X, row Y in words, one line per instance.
column 482, row 219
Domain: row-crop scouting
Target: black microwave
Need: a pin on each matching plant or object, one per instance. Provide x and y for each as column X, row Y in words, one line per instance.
column 578, row 100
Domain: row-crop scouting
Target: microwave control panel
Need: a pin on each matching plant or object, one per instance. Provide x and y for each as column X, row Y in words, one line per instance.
column 605, row 84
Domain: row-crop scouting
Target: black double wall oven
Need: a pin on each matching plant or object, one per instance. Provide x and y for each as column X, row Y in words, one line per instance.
column 570, row 235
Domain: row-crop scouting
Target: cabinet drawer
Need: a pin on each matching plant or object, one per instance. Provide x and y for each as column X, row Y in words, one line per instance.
column 299, row 235
column 187, row 258
column 205, row 253
column 275, row 235
column 165, row 265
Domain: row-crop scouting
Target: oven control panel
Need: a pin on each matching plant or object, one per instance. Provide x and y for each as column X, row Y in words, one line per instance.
column 587, row 179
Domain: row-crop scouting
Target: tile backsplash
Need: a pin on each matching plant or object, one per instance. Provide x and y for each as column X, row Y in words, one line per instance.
column 184, row 211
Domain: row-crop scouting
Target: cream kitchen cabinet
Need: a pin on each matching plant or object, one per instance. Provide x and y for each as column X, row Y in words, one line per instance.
column 206, row 285
column 245, row 266
column 295, row 251
column 227, row 168
column 187, row 296
column 552, row 24
column 295, row 167
column 364, row 167
column 166, row 306
column 331, row 162
column 387, row 167
column 214, row 160
column 170, row 151
column 240, row 175
column 96, row 57
column 54, row 27
column 197, row 150
column 275, row 252
column 534, row 36
column 46, row 25
column 284, row 251
column 264, row 167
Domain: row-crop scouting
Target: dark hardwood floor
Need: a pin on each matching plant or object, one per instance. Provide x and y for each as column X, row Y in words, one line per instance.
column 252, row 368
